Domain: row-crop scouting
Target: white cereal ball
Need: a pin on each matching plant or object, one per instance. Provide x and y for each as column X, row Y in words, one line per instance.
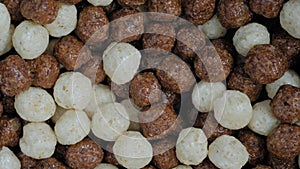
column 6, row 40
column 73, row 90
column 263, row 120
column 38, row 140
column 289, row 77
column 213, row 28
column 30, row 39
column 5, row 19
column 250, row 35
column 205, row 93
column 289, row 18
column 100, row 2
column 72, row 127
column 183, row 167
column 133, row 112
column 58, row 113
column 227, row 152
column 191, row 146
column 233, row 110
column 8, row 159
column 106, row 166
column 65, row 21
column 121, row 62
column 111, row 122
column 132, row 150
column 35, row 105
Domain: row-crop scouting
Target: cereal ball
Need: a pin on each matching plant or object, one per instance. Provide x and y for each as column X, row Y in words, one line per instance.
column 100, row 2
column 38, row 140
column 277, row 163
column 173, row 73
column 50, row 163
column 93, row 69
column 8, row 159
column 132, row 150
column 191, row 146
column 65, row 21
column 30, row 40
column 58, row 113
column 26, row 161
column 171, row 9
column 288, row 18
column 10, row 130
column 13, row 7
column 266, row 8
column 6, row 40
column 213, row 29
column 265, row 64
column 35, row 105
column 233, row 110
column 239, row 80
column 205, row 93
column 262, row 167
column 250, row 35
column 71, row 52
column 159, row 36
column 40, row 11
column 263, row 120
column 72, row 2
column 5, row 19
column 149, row 167
column 106, row 166
column 229, row 148
column 72, row 127
column 133, row 112
column 71, row 85
column 111, row 122
column 206, row 164
column 131, row 3
column 198, row 11
column 182, row 167
column 284, row 141
column 92, row 25
column 164, row 155
column 121, row 62
column 233, row 13
column 285, row 104
column 289, row 77
column 85, row 154
column 170, row 97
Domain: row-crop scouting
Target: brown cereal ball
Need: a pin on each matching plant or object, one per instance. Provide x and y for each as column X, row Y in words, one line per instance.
column 44, row 71
column 225, row 45
column 214, row 64
column 170, row 7
column 277, row 163
column 71, row 52
column 127, row 25
column 265, row 64
column 92, row 25
column 284, row 142
column 206, row 164
column 233, row 13
column 145, row 89
column 70, row 1
column 266, row 8
column 159, row 36
column 285, row 104
column 93, row 69
column 85, row 154
column 170, row 97
column 14, row 77
column 131, row 3
column 40, row 11
column 13, row 7
column 164, row 155
column 10, row 130
column 175, row 74
column 262, row 167
column 189, row 41
column 199, row 11
column 239, row 80
column 26, row 161
column 50, row 163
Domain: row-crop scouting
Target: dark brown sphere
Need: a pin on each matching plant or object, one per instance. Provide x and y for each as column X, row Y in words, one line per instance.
column 164, row 155
column 10, row 131
column 266, row 8
column 277, row 163
column 199, row 11
column 262, row 167
column 26, row 161
column 50, row 163
column 93, row 69
column 131, row 3
column 13, row 7
column 169, row 7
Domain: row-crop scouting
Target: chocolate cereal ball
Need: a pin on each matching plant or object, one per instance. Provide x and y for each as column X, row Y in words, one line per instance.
column 14, row 77
column 71, row 52
column 13, row 7
column 131, row 3
column 262, row 167
column 10, row 130
column 277, row 163
column 164, row 155
column 199, row 11
column 26, row 161
column 93, row 69
column 70, row 1
column 50, row 163
column 266, row 8
column 285, row 104
column 85, row 154
column 170, row 7
column 234, row 13
column 40, row 11
column 265, row 64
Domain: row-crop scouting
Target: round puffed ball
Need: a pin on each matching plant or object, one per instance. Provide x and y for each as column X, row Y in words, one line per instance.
column 266, row 8
column 289, row 18
column 73, row 90
column 65, row 21
column 111, row 122
column 13, row 7
column 182, row 167
column 26, row 161
column 106, row 166
column 171, row 10
column 10, row 131
column 213, row 29
column 132, row 150
column 263, row 121
column 50, row 163
column 191, row 146
column 199, row 11
column 121, row 62
column 289, row 77
column 205, row 93
column 8, row 160
column 131, row 3
column 58, row 113
column 233, row 110
column 278, row 163
column 93, row 69
column 72, row 127
column 100, row 2
column 164, row 154
column 30, row 40
column 250, row 35
column 227, row 152
column 5, row 19
column 133, row 112
column 6, row 40
column 38, row 140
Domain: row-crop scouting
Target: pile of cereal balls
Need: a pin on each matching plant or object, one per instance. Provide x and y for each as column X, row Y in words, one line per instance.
column 166, row 84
